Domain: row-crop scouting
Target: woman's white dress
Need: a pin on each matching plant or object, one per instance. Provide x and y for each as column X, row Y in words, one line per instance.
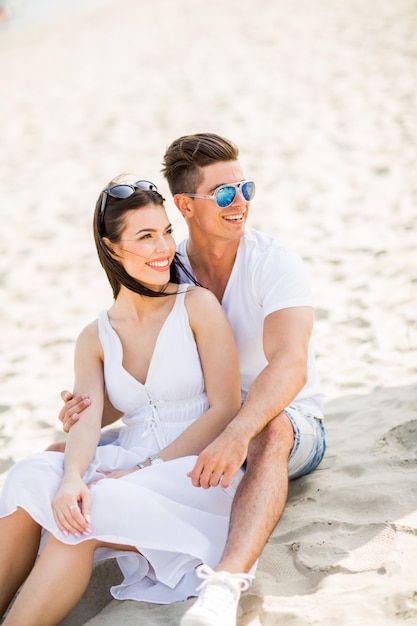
column 174, row 525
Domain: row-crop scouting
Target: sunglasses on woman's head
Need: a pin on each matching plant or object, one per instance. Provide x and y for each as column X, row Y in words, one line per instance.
column 124, row 190
column 225, row 194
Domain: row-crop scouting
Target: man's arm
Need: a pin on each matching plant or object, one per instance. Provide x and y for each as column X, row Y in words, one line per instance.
column 286, row 338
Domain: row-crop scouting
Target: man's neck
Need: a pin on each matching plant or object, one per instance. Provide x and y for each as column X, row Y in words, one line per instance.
column 212, row 263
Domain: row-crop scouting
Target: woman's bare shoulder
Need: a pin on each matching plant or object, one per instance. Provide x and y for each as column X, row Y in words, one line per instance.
column 89, row 337
column 200, row 295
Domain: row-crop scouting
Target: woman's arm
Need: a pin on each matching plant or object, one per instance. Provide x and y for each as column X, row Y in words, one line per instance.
column 72, row 503
column 75, row 405
column 218, row 355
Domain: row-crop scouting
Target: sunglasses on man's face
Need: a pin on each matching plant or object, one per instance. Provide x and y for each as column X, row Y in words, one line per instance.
column 225, row 194
column 124, row 190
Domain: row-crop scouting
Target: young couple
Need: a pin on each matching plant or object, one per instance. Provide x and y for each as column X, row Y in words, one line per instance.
column 190, row 488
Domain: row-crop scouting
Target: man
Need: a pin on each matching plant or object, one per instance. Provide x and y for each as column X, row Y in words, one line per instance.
column 264, row 291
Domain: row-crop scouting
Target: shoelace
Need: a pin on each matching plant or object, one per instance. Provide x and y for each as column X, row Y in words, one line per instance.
column 237, row 582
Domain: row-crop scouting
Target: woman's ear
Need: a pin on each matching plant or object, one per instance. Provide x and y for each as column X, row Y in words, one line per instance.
column 183, row 204
column 110, row 246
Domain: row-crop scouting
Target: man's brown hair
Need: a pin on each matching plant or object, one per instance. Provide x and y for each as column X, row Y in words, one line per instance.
column 185, row 157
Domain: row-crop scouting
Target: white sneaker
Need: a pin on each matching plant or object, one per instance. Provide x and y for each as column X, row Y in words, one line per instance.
column 219, row 598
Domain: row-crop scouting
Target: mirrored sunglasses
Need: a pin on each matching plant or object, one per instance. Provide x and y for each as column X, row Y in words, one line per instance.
column 124, row 190
column 225, row 194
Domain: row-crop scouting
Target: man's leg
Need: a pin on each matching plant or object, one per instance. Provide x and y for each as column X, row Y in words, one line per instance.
column 257, row 506
column 261, row 496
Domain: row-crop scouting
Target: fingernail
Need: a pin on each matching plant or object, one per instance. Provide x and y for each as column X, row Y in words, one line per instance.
column 65, row 532
column 87, row 518
column 77, row 535
column 87, row 532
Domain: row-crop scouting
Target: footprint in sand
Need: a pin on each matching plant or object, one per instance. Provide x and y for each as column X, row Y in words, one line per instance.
column 345, row 548
column 399, row 445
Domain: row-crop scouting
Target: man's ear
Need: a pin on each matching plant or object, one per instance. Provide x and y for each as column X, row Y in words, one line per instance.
column 183, row 204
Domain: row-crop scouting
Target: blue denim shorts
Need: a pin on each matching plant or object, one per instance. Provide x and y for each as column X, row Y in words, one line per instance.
column 309, row 442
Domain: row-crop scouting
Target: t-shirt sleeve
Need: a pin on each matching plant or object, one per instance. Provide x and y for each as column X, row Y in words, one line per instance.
column 281, row 281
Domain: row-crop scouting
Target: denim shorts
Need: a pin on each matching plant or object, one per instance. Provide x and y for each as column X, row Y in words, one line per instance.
column 309, row 442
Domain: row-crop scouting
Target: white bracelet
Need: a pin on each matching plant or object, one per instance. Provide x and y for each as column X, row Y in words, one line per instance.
column 153, row 460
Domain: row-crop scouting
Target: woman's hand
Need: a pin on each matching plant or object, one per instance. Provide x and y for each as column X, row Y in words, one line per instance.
column 71, row 507
column 119, row 473
column 113, row 474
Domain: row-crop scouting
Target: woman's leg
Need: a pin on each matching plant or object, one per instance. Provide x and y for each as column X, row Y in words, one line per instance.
column 56, row 583
column 19, row 544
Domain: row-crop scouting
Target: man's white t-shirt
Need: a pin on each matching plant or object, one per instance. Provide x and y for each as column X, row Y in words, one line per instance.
column 266, row 277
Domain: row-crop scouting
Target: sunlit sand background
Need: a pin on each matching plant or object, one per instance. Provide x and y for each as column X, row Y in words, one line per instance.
column 321, row 97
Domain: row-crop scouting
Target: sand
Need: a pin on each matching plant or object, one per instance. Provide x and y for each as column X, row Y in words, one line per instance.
column 321, row 97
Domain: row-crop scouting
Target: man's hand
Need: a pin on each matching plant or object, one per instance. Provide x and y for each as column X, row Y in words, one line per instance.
column 220, row 461
column 69, row 414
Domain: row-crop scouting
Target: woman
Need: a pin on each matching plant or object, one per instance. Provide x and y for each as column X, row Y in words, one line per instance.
column 166, row 355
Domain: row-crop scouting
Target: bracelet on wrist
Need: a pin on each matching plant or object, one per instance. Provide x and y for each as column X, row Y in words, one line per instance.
column 155, row 459
column 152, row 460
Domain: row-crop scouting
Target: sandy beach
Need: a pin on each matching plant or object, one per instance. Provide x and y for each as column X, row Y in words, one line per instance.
column 321, row 98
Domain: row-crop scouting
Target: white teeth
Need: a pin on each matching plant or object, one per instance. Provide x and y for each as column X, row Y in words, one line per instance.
column 234, row 218
column 158, row 263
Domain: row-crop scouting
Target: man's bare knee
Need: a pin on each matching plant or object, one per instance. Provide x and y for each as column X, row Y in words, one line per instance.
column 276, row 438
